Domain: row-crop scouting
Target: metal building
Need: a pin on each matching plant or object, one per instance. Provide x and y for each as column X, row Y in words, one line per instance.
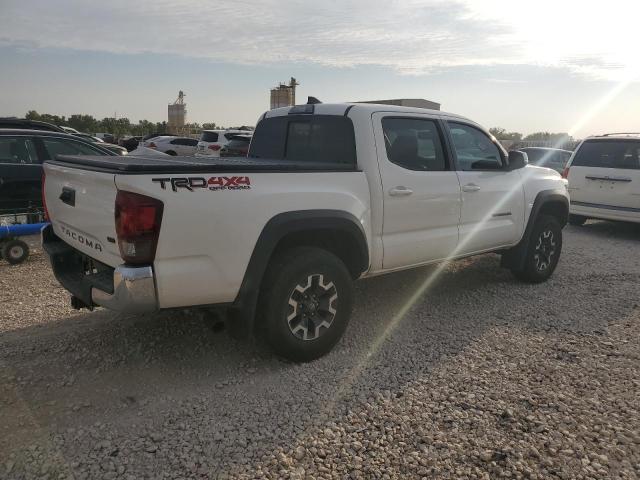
column 177, row 114
column 284, row 95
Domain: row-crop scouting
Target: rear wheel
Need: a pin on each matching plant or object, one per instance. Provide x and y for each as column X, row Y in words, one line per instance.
column 543, row 251
column 306, row 303
column 15, row 251
column 577, row 220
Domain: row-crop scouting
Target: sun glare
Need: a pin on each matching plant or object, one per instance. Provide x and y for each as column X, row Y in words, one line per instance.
column 593, row 40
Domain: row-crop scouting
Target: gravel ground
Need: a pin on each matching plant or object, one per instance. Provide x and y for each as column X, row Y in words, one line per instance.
column 483, row 378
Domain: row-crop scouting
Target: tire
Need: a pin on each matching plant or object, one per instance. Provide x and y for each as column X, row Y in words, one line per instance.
column 15, row 251
column 171, row 152
column 577, row 220
column 306, row 302
column 543, row 251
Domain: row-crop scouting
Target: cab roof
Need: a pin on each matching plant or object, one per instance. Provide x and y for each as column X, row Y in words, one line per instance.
column 346, row 108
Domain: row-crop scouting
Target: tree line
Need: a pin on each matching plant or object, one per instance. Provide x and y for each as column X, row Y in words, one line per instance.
column 115, row 126
column 502, row 134
column 123, row 126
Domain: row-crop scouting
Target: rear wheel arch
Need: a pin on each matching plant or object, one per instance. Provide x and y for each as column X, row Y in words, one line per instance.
column 336, row 231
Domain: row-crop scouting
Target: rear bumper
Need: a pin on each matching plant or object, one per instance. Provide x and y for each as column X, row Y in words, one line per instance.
column 123, row 289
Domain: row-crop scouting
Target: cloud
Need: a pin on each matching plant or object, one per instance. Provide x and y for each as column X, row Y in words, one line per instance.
column 409, row 36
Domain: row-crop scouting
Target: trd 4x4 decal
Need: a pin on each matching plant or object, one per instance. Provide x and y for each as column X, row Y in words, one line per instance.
column 211, row 183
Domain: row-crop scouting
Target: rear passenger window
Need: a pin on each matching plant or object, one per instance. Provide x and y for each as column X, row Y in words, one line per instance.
column 414, row 144
column 17, row 150
column 305, row 138
column 59, row 146
column 608, row 154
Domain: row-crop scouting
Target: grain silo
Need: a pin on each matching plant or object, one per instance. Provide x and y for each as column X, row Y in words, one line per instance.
column 284, row 95
column 177, row 114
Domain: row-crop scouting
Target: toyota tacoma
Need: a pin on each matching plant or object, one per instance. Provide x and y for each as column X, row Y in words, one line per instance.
column 328, row 194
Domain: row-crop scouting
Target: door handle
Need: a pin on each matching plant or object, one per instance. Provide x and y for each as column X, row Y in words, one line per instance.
column 400, row 191
column 470, row 187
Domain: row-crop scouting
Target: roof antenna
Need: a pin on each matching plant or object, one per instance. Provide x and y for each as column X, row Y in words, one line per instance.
column 312, row 101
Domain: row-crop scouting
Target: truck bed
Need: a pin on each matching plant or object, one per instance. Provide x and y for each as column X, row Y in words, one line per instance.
column 133, row 164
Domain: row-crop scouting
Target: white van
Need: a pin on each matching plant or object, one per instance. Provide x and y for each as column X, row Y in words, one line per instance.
column 604, row 179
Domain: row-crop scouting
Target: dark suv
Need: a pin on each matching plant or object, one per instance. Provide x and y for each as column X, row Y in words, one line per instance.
column 23, row 123
column 21, row 155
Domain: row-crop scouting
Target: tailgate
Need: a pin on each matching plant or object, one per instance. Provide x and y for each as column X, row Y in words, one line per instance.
column 81, row 206
column 605, row 186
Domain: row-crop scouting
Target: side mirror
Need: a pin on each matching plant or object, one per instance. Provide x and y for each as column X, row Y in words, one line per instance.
column 517, row 159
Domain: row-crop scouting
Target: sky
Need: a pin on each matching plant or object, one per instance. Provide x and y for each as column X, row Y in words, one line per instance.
column 524, row 65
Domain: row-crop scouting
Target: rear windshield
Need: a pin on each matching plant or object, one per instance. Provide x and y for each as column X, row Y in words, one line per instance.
column 238, row 143
column 305, row 138
column 209, row 137
column 608, row 154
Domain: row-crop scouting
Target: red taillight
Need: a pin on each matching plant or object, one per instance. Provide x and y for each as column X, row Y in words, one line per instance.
column 44, row 200
column 138, row 219
column 215, row 148
column 152, row 145
column 565, row 173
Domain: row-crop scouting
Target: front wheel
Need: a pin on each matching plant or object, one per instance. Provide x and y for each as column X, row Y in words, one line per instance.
column 306, row 303
column 543, row 251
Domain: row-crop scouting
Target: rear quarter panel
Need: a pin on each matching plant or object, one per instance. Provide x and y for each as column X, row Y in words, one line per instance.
column 207, row 236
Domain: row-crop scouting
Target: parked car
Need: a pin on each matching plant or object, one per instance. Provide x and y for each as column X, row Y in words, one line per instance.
column 212, row 141
column 604, row 179
column 21, row 155
column 238, row 146
column 22, row 123
column 154, row 135
column 171, row 145
column 554, row 158
column 117, row 149
column 130, row 143
column 284, row 233
column 106, row 137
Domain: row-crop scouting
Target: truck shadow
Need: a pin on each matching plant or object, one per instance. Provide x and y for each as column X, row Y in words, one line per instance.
column 126, row 370
column 611, row 230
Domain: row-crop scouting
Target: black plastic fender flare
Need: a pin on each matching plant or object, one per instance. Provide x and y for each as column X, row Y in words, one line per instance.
column 275, row 230
column 515, row 257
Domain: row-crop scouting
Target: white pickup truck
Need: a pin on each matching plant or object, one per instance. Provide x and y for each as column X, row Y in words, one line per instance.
column 329, row 193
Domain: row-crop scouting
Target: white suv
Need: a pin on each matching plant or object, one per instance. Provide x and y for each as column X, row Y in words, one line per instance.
column 212, row 141
column 604, row 178
column 173, row 145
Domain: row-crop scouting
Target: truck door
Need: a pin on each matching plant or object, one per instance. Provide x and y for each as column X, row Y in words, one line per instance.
column 492, row 196
column 421, row 192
